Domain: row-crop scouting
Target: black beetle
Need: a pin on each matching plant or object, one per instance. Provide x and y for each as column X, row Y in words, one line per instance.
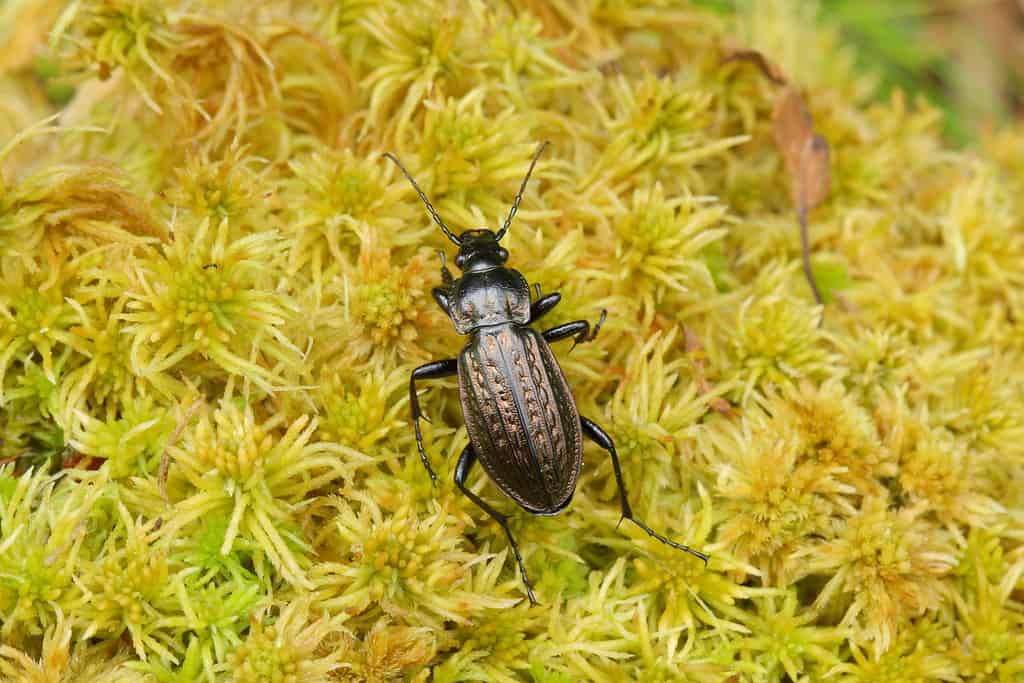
column 520, row 413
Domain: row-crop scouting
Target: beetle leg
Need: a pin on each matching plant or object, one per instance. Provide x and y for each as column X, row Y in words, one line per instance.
column 440, row 295
column 543, row 304
column 446, row 275
column 433, row 370
column 466, row 462
column 579, row 330
column 598, row 436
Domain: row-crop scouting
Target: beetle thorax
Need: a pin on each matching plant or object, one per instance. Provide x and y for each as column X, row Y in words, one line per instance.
column 491, row 297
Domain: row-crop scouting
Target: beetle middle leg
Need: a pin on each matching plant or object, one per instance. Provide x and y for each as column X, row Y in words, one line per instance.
column 462, row 468
column 433, row 370
column 579, row 330
column 598, row 436
column 543, row 304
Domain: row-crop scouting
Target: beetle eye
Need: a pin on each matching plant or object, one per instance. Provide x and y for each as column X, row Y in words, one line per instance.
column 503, row 254
column 460, row 259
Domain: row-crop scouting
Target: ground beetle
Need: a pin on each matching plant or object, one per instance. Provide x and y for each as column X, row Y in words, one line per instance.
column 520, row 413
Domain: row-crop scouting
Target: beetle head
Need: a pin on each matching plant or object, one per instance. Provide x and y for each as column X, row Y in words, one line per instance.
column 479, row 250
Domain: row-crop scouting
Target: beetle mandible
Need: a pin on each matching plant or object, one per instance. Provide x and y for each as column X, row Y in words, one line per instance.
column 522, row 420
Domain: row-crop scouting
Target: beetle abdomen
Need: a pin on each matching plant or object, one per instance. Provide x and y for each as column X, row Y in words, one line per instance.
column 521, row 416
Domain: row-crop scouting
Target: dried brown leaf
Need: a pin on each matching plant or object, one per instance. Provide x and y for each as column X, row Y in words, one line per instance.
column 815, row 175
column 806, row 156
column 768, row 68
column 804, row 151
column 792, row 127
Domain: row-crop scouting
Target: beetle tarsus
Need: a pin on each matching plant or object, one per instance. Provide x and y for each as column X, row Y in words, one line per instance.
column 589, row 335
column 462, row 468
column 668, row 541
column 600, row 322
column 423, row 452
column 579, row 330
column 601, row 438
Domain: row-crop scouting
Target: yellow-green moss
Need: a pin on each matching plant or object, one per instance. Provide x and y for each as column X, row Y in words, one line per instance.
column 214, row 287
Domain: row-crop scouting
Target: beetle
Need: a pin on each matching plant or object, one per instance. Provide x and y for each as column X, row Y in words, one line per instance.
column 523, row 424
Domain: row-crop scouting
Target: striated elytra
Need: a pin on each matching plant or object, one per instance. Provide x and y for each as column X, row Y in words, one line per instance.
column 522, row 420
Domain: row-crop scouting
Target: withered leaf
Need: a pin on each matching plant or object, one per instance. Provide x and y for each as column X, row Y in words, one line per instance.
column 769, row 69
column 806, row 156
column 805, row 152
column 815, row 175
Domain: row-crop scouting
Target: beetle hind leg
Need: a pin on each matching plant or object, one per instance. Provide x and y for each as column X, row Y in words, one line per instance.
column 432, row 370
column 601, row 438
column 465, row 464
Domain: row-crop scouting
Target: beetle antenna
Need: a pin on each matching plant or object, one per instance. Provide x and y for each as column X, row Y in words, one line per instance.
column 423, row 196
column 522, row 189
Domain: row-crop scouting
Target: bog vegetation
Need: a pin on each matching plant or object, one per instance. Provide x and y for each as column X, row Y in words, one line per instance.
column 215, row 286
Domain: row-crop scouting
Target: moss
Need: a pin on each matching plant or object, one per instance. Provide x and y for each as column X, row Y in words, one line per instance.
column 215, row 286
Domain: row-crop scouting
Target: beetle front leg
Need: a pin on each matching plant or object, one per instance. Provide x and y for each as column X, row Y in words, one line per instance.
column 446, row 275
column 462, row 468
column 432, row 370
column 442, row 294
column 598, row 436
column 579, row 330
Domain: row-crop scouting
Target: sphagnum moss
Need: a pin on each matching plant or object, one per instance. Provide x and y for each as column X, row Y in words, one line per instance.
column 214, row 287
